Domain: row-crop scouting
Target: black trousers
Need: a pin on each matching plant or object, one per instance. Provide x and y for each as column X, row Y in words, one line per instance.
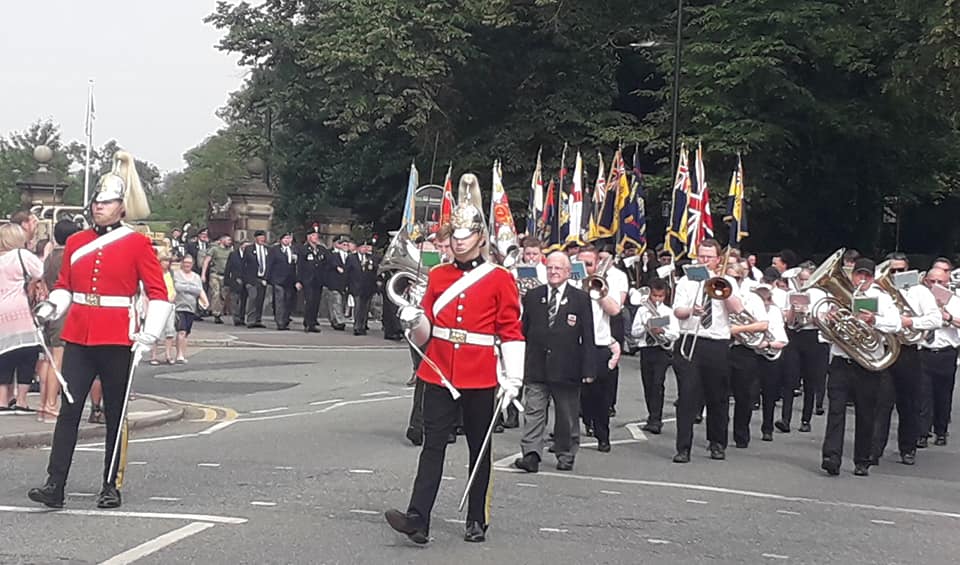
column 595, row 397
column 850, row 380
column 391, row 324
column 239, row 297
column 416, row 411
column 940, row 369
column 361, row 310
column 284, row 299
column 81, row 365
column 903, row 393
column 654, row 361
column 440, row 412
column 744, row 374
column 808, row 358
column 775, row 384
column 705, row 377
column 312, row 293
column 256, row 293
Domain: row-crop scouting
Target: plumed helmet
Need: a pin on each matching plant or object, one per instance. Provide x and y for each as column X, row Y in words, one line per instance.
column 466, row 217
column 123, row 183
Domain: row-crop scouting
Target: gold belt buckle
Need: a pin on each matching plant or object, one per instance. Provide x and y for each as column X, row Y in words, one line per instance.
column 458, row 336
column 92, row 299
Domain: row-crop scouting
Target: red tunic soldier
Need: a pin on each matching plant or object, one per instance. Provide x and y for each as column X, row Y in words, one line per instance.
column 471, row 310
column 104, row 269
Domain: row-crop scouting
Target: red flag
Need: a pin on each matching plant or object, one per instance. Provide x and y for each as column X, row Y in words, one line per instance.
column 446, row 206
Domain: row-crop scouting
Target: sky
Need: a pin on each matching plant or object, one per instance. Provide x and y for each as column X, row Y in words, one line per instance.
column 158, row 77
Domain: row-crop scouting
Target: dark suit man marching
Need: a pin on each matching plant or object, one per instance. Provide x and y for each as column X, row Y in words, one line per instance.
column 282, row 274
column 254, row 268
column 560, row 354
column 362, row 282
column 336, row 282
column 310, row 274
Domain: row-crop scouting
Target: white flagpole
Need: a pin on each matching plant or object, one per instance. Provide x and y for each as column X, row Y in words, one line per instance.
column 89, row 132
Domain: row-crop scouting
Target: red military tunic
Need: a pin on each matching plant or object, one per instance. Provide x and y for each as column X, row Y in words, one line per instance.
column 490, row 306
column 114, row 267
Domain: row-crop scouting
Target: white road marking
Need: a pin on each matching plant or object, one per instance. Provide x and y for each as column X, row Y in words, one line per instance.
column 757, row 494
column 345, row 349
column 157, row 543
column 136, row 462
column 636, row 432
column 378, row 393
column 165, row 498
column 270, row 410
column 658, row 541
column 282, row 468
column 122, row 514
column 359, row 511
column 774, row 556
column 321, row 402
column 334, row 406
column 446, row 478
column 147, row 413
column 81, row 494
column 506, row 463
column 213, row 465
column 788, row 512
column 554, row 530
column 530, row 485
column 610, row 492
column 883, row 522
column 695, row 501
column 217, row 427
column 362, row 471
column 262, row 503
column 453, row 520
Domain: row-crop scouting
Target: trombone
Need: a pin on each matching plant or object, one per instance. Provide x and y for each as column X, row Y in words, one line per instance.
column 716, row 288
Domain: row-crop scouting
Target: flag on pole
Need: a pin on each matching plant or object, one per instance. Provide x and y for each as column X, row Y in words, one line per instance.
column 548, row 220
column 409, row 221
column 575, row 205
column 736, row 211
column 675, row 240
column 535, row 206
column 88, row 131
column 503, row 232
column 446, row 206
column 596, row 198
column 700, row 220
column 633, row 217
column 606, row 222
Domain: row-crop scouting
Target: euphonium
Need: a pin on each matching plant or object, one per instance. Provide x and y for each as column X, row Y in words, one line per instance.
column 871, row 349
column 753, row 340
column 906, row 336
column 408, row 282
column 596, row 284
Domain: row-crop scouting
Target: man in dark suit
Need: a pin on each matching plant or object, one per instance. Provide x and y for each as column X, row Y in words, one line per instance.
column 362, row 282
column 311, row 270
column 254, row 268
column 198, row 249
column 233, row 278
column 282, row 275
column 336, row 282
column 560, row 355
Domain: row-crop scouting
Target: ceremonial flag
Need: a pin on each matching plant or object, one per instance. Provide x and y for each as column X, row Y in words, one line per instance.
column 88, row 131
column 675, row 240
column 503, row 232
column 700, row 220
column 633, row 217
column 606, row 221
column 548, row 220
column 575, row 205
column 596, row 199
column 446, row 206
column 736, row 211
column 409, row 221
column 535, row 206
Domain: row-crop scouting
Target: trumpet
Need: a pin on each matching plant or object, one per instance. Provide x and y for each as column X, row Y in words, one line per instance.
column 596, row 284
column 642, row 298
column 716, row 288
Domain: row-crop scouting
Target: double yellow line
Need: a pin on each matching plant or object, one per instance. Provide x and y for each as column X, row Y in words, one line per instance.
column 211, row 413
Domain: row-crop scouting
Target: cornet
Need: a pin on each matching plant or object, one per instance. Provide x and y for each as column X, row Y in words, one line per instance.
column 596, row 284
column 642, row 298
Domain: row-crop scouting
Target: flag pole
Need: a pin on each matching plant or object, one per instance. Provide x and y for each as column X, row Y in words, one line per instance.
column 89, row 132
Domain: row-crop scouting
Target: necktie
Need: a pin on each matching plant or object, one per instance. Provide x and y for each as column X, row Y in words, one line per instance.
column 707, row 320
column 289, row 257
column 552, row 311
column 260, row 262
column 931, row 335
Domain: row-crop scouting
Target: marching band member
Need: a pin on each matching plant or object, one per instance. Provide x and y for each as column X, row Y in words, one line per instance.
column 807, row 355
column 655, row 343
column 849, row 379
column 775, row 382
column 532, row 256
column 938, row 359
column 103, row 269
column 744, row 361
column 618, row 324
column 469, row 305
column 595, row 394
column 706, row 373
column 905, row 373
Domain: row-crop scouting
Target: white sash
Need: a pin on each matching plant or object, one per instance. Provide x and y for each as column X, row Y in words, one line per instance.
column 461, row 285
column 100, row 243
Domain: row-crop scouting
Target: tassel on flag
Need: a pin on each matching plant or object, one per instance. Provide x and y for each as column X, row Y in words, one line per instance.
column 736, row 211
column 675, row 240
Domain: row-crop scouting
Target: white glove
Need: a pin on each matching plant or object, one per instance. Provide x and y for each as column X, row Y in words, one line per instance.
column 143, row 342
column 510, row 394
column 44, row 311
column 410, row 316
column 54, row 306
column 511, row 376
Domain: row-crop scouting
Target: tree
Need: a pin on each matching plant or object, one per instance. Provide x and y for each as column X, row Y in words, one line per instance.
column 213, row 168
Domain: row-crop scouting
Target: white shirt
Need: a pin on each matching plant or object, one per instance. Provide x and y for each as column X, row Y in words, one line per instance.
column 757, row 274
column 261, row 252
column 946, row 336
column 601, row 320
column 924, row 305
column 639, row 329
column 780, row 298
column 617, row 278
column 687, row 294
column 775, row 325
column 887, row 317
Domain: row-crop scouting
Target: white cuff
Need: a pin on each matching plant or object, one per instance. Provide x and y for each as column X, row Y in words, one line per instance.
column 513, row 354
column 157, row 313
column 61, row 298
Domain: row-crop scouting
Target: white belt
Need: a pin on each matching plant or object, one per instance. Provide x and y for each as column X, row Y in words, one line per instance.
column 102, row 301
column 454, row 335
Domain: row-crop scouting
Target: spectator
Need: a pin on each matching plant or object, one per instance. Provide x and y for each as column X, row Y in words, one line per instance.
column 28, row 221
column 169, row 330
column 19, row 343
column 190, row 296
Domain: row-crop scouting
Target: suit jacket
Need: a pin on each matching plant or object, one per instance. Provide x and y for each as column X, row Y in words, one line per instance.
column 193, row 248
column 566, row 352
column 336, row 276
column 282, row 270
column 233, row 274
column 362, row 278
column 249, row 266
column 312, row 265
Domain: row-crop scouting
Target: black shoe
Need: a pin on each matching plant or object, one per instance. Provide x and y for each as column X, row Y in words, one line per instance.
column 109, row 497
column 766, row 436
column 359, row 332
column 612, row 411
column 698, row 420
column 412, row 381
column 551, row 449
column 742, row 444
column 238, row 323
column 564, row 465
column 603, row 447
column 653, row 428
column 861, row 469
column 256, row 326
column 498, row 428
column 819, row 411
column 512, row 420
column 452, row 438
column 475, row 532
column 529, row 463
column 922, row 443
column 832, row 469
column 941, row 440
column 717, row 452
column 756, row 406
column 682, row 457
column 283, row 328
column 416, row 438
column 804, row 426
column 217, row 320
column 589, row 431
column 874, row 461
column 340, row 328
column 393, row 337
column 458, row 430
column 96, row 416
column 407, row 525
column 797, row 392
column 908, row 458
column 50, row 494
column 782, row 426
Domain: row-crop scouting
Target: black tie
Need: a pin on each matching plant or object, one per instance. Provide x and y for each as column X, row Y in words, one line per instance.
column 552, row 311
column 707, row 318
column 931, row 335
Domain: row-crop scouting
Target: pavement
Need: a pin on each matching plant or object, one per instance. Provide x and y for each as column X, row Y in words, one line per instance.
column 292, row 447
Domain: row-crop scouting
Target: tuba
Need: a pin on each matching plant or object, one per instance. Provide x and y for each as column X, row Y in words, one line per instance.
column 871, row 349
column 407, row 281
column 907, row 336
